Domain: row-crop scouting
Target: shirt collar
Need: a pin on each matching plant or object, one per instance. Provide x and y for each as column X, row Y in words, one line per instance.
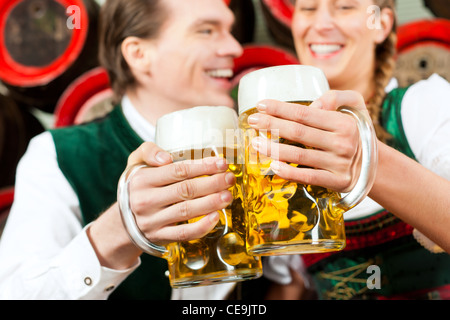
column 138, row 123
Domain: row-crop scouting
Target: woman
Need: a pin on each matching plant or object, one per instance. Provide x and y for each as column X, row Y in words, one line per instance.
column 353, row 42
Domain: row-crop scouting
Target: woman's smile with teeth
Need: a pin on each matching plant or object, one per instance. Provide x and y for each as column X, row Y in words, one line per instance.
column 325, row 48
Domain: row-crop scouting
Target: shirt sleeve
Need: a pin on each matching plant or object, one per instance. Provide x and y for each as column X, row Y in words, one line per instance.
column 426, row 122
column 45, row 252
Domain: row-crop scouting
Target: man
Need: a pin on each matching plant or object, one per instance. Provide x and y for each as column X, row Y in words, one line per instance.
column 171, row 55
column 65, row 238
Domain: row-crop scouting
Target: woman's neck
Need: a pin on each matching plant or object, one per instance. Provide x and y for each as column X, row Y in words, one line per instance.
column 365, row 87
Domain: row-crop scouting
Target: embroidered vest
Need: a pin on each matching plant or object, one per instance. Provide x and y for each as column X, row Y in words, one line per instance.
column 381, row 259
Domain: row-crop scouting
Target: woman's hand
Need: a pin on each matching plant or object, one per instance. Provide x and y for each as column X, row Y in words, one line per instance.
column 333, row 159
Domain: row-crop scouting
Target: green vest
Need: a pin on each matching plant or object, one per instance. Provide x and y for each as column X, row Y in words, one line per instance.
column 92, row 157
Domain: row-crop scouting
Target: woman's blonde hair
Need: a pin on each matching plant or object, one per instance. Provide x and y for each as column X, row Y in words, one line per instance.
column 384, row 69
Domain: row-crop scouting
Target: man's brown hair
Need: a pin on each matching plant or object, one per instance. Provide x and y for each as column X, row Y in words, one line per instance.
column 120, row 19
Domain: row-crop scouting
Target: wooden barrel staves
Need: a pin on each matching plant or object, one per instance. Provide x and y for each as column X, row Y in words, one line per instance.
column 278, row 17
column 44, row 46
column 423, row 49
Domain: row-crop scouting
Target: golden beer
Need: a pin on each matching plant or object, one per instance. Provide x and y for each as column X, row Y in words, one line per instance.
column 220, row 256
column 282, row 216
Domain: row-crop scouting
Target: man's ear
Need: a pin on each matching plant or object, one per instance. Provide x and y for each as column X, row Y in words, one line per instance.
column 137, row 53
column 386, row 24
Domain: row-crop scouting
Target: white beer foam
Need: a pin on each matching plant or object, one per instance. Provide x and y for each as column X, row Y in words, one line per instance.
column 284, row 83
column 196, row 128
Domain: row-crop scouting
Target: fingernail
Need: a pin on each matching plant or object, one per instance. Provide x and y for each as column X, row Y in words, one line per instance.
column 221, row 164
column 163, row 157
column 316, row 104
column 230, row 178
column 257, row 143
column 225, row 196
column 214, row 216
column 261, row 107
column 275, row 166
column 253, row 119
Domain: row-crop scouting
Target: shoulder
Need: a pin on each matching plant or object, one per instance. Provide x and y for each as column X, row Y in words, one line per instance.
column 434, row 88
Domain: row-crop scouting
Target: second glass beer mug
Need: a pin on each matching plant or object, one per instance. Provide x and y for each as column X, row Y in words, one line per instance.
column 285, row 217
column 221, row 255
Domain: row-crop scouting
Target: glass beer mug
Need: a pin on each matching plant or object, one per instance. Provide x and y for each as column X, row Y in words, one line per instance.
column 285, row 217
column 221, row 255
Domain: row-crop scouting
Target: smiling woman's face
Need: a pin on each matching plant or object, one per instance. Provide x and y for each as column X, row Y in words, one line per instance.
column 336, row 36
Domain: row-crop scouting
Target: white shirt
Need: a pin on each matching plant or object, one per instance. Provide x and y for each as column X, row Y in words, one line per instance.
column 44, row 251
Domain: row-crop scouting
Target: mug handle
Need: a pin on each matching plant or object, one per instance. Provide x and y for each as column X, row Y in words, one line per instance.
column 128, row 217
column 369, row 159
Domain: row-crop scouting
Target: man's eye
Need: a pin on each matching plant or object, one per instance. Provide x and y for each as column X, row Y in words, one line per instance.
column 206, row 31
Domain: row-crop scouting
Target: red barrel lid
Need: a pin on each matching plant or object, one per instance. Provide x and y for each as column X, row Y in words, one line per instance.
column 40, row 39
column 282, row 10
column 6, row 198
column 434, row 30
column 82, row 94
column 260, row 56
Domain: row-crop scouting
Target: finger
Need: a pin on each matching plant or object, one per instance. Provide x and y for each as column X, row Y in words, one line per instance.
column 179, row 171
column 334, row 99
column 316, row 177
column 187, row 231
column 302, row 114
column 150, row 154
column 314, row 158
column 300, row 133
column 188, row 210
column 146, row 200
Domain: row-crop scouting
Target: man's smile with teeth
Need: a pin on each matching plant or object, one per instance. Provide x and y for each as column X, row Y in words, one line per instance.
column 220, row 73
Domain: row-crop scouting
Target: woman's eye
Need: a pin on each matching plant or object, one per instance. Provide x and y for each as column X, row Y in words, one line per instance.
column 307, row 8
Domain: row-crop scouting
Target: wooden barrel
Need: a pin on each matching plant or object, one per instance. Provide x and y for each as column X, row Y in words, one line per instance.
column 44, row 45
column 17, row 127
column 423, row 49
column 87, row 98
column 440, row 8
column 278, row 17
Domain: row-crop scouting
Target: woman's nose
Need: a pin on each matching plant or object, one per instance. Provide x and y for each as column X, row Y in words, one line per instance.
column 323, row 19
